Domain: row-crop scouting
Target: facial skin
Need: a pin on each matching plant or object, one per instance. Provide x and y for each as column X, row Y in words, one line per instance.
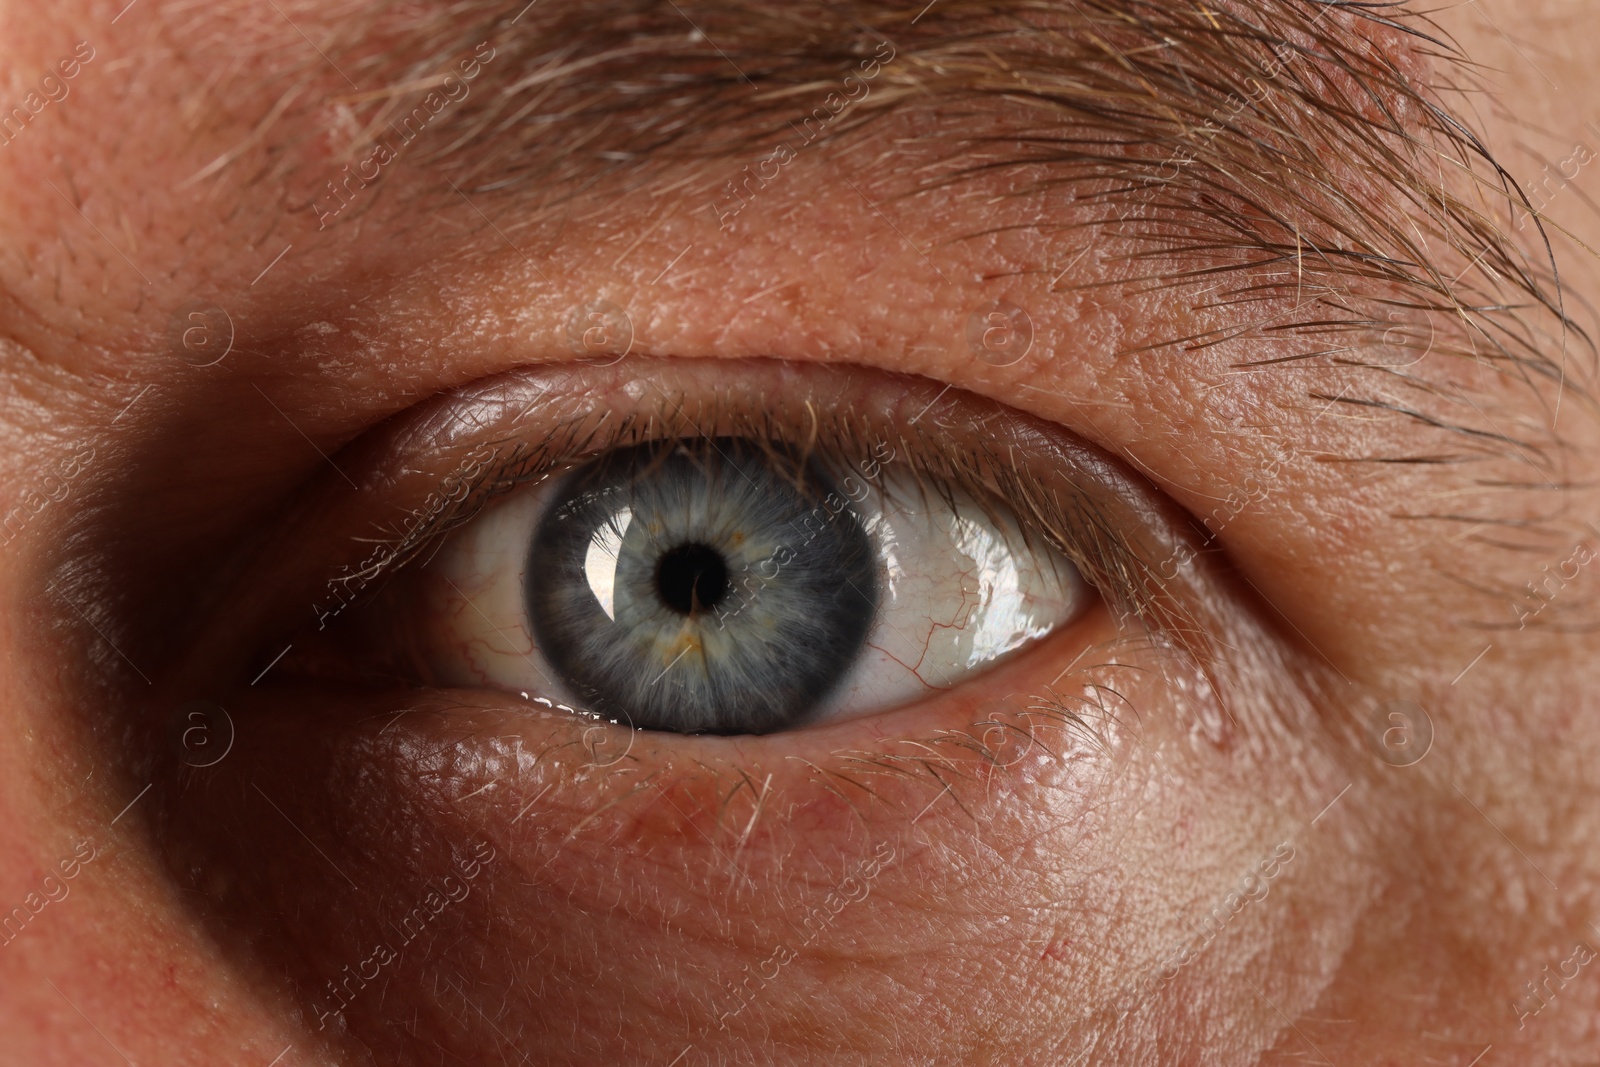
column 1226, row 854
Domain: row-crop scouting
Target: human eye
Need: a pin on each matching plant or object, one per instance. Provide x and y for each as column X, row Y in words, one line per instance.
column 723, row 585
column 735, row 583
column 661, row 546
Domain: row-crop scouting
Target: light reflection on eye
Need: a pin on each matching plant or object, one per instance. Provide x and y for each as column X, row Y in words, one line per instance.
column 727, row 586
column 600, row 561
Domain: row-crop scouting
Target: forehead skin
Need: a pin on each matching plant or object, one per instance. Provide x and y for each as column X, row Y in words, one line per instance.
column 1409, row 938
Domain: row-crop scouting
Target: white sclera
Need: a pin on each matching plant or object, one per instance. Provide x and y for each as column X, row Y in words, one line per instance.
column 960, row 588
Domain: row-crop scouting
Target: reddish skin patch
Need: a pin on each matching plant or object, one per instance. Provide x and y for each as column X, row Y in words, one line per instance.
column 1056, row 950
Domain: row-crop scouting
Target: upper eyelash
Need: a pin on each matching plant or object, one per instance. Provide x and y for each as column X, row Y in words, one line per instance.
column 1074, row 526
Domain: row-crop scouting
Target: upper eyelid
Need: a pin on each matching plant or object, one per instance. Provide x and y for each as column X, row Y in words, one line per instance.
column 1130, row 162
column 1097, row 543
column 1113, row 525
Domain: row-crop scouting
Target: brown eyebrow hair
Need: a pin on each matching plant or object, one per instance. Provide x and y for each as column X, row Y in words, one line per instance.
column 1293, row 163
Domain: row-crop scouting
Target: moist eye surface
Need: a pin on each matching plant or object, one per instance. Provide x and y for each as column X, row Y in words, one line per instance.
column 707, row 586
column 804, row 563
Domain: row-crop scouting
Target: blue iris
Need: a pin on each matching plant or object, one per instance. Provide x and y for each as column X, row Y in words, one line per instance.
column 701, row 586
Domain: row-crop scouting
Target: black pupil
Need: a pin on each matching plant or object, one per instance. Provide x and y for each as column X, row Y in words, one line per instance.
column 692, row 578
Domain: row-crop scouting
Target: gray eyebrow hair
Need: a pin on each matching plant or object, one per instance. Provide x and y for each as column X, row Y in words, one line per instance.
column 1291, row 160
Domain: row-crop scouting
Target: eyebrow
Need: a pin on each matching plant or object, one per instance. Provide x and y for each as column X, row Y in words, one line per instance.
column 1293, row 160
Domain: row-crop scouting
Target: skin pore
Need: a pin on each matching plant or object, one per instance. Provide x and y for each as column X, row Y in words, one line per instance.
column 1276, row 291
